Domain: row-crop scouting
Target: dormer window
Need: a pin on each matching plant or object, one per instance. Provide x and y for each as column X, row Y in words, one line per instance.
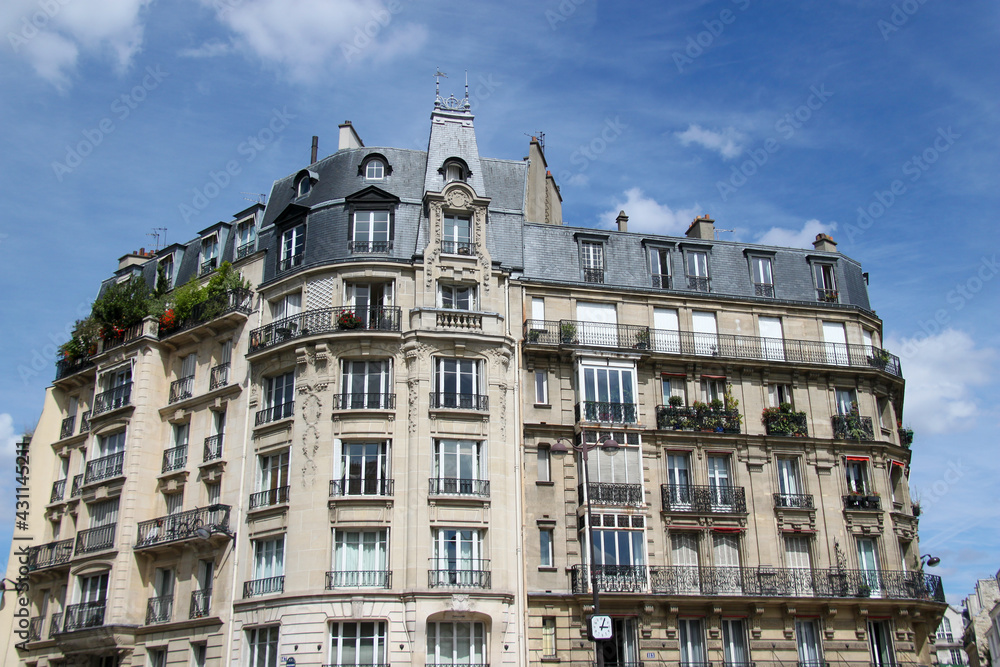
column 457, row 235
column 165, row 272
column 375, row 170
column 455, row 169
column 304, row 182
column 209, row 255
column 453, row 172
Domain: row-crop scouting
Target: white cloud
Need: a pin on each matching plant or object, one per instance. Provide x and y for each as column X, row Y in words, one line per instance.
column 210, row 49
column 728, row 143
column 796, row 238
column 315, row 34
column 647, row 215
column 941, row 373
column 52, row 36
column 7, row 437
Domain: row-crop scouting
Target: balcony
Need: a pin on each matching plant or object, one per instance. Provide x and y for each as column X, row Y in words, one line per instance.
column 826, row 295
column 723, row 346
column 77, row 485
column 213, row 448
column 786, row 422
column 464, row 320
column 862, row 501
column 662, row 281
column 95, row 539
column 605, row 493
column 218, row 376
column 246, row 250
column 233, row 301
column 201, row 603
column 703, row 499
column 458, row 248
column 456, row 486
column 69, row 366
column 106, row 467
column 697, row 418
column 66, row 429
column 35, row 628
column 853, row 427
column 274, row 413
column 370, row 247
column 593, row 275
column 55, row 625
column 182, row 526
column 448, row 400
column 181, row 389
column 209, row 265
column 50, row 555
column 759, row 582
column 58, row 490
column 905, row 436
column 83, row 616
column 802, row 501
column 85, row 422
column 159, row 610
column 359, row 579
column 763, row 289
column 269, row 498
column 325, row 321
column 374, row 401
column 174, row 458
column 112, row 399
column 360, row 486
column 122, row 337
column 605, row 412
column 458, row 573
column 290, row 262
column 266, row 586
column 699, row 283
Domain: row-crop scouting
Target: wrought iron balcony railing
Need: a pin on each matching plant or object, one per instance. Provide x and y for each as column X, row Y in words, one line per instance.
column 85, row 422
column 359, row 579
column 55, row 625
column 84, row 615
column 686, row 418
column 591, row 275
column 458, row 248
column 50, row 555
column 853, row 427
column 182, row 526
column 112, row 399
column 160, row 609
column 128, row 335
column 607, row 412
column 905, row 436
column 360, row 486
column 661, row 281
column 274, row 413
column 826, row 295
column 218, row 376
column 201, row 603
column 246, row 249
column 213, row 448
column 763, row 289
column 174, row 458
column 456, row 486
column 760, row 581
column 106, row 467
column 794, row 500
column 326, row 320
column 67, row 367
column 441, row 399
column 35, row 628
column 370, row 247
column 704, row 499
column 58, row 490
column 459, row 573
column 181, row 389
column 862, row 501
column 266, row 586
column 726, row 346
column 208, row 266
column 77, row 485
column 699, row 283
column 370, row 401
column 269, row 497
column 291, row 262
column 233, row 301
column 95, row 539
column 66, row 429
column 608, row 493
column 788, row 423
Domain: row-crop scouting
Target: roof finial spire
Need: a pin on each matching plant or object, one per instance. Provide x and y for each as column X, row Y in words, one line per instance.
column 466, row 89
column 438, row 102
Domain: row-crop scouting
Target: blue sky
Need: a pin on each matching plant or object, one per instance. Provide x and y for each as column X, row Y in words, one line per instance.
column 875, row 122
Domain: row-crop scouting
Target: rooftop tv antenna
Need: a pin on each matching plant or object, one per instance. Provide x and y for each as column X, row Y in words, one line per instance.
column 539, row 135
column 258, row 197
column 722, row 230
column 156, row 234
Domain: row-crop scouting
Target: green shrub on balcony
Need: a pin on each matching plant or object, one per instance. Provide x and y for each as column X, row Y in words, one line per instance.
column 83, row 340
column 121, row 306
column 783, row 420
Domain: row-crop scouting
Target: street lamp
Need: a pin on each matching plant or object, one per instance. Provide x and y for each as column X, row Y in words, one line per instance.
column 600, row 626
column 929, row 560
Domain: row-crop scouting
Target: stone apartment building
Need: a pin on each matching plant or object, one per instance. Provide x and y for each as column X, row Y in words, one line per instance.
column 374, row 456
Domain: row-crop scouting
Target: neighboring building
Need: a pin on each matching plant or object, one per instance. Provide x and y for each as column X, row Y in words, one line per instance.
column 982, row 629
column 354, row 465
column 948, row 640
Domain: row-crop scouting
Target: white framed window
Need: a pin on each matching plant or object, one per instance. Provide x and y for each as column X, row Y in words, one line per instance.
column 856, row 469
column 358, row 643
column 825, row 278
column 847, row 401
column 269, row 558
column 835, row 344
column 544, row 464
column 286, row 306
column 457, row 235
column 371, row 231
column 372, row 304
column 772, row 337
column 166, row 269
column 209, row 253
column 272, row 471
column 454, row 172
column 174, row 502
column 460, row 467
column 456, row 643
column 360, row 558
column 246, row 237
column 592, row 260
column 545, row 556
column 619, row 539
column 116, row 378
column 609, row 392
column 293, row 247
column 457, row 296
column 279, row 390
column 375, row 169
column 458, row 383
column 622, row 467
column 760, row 273
column 458, row 558
column 263, row 646
column 679, row 480
column 696, row 262
column 779, row 394
column 706, row 332
column 734, row 642
column 112, row 443
column 692, row 640
column 798, row 555
column 659, row 267
column 199, row 653
column 720, row 482
column 808, row 643
column 213, row 493
column 789, row 481
column 673, row 385
column 303, row 185
column 366, row 385
column 156, row 657
column 712, row 389
column 880, row 644
column 541, row 388
column 362, row 468
column 549, row 636
column 538, row 308
column 104, row 513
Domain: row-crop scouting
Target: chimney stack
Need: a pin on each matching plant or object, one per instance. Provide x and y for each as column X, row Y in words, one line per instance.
column 349, row 137
column 703, row 227
column 315, row 150
column 622, row 221
column 824, row 243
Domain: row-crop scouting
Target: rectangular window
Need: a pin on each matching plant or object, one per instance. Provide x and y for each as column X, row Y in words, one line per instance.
column 779, row 394
column 273, row 473
column 246, row 238
column 457, row 235
column 789, row 482
column 706, row 333
column 760, row 272
column 116, row 378
column 726, row 558
column 692, row 640
column 279, row 394
column 713, row 389
column 287, row 306
column 363, row 469
column 458, row 297
column 734, row 642
column 678, row 481
column 697, row 271
column 157, row 657
column 896, row 477
column 624, row 466
column 263, row 646
column 460, row 468
column 659, row 267
column 360, row 559
column 673, row 386
column 358, row 643
column 772, row 338
column 720, row 483
column 856, row 470
column 458, row 558
column 548, row 636
column 94, row 588
column 165, row 272
column 371, row 232
column 538, row 308
column 592, row 258
column 868, row 563
column 110, row 444
column 104, row 513
column 545, row 557
column 269, row 558
column 808, row 643
column 826, row 282
column 884, row 414
column 371, row 303
column 622, row 545
column 544, row 464
column 366, row 385
column 456, row 643
column 174, row 503
column 293, row 247
column 847, row 401
column 608, row 394
column 458, row 384
column 541, row 388
column 198, row 655
column 880, row 644
column 209, row 254
column 835, row 343
column 213, row 492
